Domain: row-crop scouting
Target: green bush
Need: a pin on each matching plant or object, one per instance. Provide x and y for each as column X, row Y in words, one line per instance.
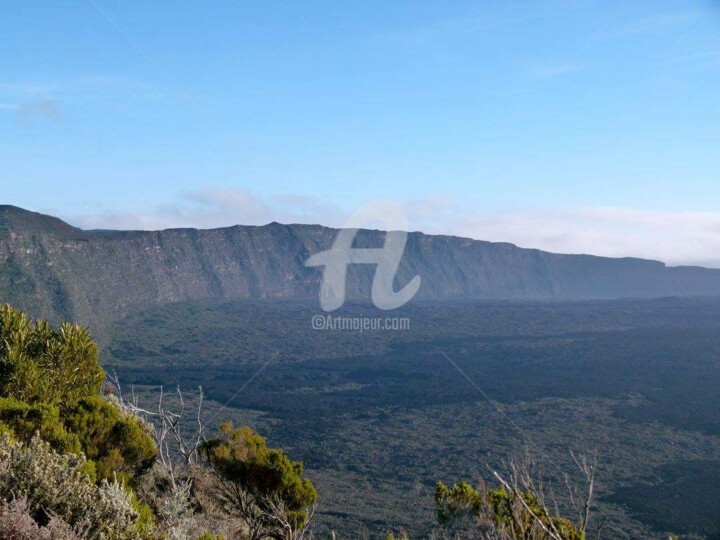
column 115, row 444
column 119, row 444
column 501, row 511
column 454, row 501
column 39, row 364
column 6, row 431
column 25, row 420
column 50, row 384
column 256, row 481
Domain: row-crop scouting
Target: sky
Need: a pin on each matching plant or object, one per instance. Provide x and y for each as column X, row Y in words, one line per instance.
column 571, row 126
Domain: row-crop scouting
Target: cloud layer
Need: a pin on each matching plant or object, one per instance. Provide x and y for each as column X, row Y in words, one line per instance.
column 210, row 208
column 676, row 238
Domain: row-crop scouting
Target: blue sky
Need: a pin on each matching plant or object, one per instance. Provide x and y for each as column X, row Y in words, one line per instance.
column 567, row 125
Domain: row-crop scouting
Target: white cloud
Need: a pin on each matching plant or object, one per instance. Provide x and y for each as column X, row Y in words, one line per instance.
column 675, row 238
column 229, row 206
column 217, row 207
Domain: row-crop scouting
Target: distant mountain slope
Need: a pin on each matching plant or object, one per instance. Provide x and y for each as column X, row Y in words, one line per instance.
column 58, row 271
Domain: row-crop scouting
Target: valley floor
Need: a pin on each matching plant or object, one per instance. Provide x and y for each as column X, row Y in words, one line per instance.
column 379, row 418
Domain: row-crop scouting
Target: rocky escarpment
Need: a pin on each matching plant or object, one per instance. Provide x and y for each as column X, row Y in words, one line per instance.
column 55, row 270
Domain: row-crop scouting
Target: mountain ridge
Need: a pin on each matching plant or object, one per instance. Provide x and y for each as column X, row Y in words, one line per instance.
column 58, row 271
column 22, row 212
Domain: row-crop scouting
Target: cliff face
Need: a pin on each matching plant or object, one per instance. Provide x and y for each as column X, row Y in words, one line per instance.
column 52, row 269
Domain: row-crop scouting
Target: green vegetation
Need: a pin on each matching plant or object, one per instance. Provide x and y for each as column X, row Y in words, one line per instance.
column 254, row 482
column 50, row 383
column 79, row 463
column 507, row 513
column 39, row 364
column 118, row 443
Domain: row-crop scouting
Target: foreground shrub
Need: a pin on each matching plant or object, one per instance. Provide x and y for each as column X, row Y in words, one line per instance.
column 54, row 485
column 261, row 485
column 49, row 384
column 24, row 421
column 519, row 508
column 116, row 444
column 182, row 505
column 16, row 523
column 501, row 514
column 39, row 364
column 67, row 453
column 120, row 444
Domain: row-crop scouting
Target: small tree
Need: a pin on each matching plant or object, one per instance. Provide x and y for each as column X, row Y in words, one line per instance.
column 260, row 485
